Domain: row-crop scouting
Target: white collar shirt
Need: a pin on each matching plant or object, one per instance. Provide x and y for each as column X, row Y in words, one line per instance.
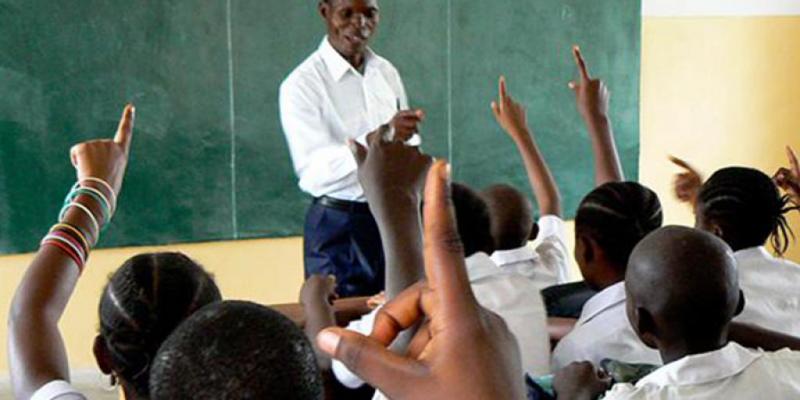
column 513, row 297
column 771, row 289
column 546, row 261
column 59, row 389
column 324, row 102
column 732, row 372
column 603, row 331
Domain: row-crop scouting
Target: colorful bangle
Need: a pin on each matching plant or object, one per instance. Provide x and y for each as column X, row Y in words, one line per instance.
column 74, row 230
column 108, row 187
column 87, row 211
column 95, row 194
column 73, row 245
column 66, row 250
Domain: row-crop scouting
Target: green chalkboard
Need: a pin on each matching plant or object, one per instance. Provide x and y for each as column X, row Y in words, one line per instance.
column 209, row 159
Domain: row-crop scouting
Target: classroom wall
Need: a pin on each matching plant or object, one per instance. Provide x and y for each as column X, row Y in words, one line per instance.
column 715, row 90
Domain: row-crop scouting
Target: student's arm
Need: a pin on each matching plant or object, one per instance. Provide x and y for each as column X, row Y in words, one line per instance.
column 687, row 184
column 592, row 97
column 788, row 179
column 511, row 116
column 393, row 175
column 316, row 296
column 756, row 337
column 580, row 381
column 35, row 346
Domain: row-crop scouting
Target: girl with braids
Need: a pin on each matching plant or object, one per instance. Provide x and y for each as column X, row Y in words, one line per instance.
column 744, row 207
column 142, row 303
column 610, row 221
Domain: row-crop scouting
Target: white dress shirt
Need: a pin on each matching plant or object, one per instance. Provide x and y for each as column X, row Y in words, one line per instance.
column 730, row 373
column 771, row 289
column 603, row 331
column 512, row 296
column 326, row 101
column 546, row 262
column 57, row 390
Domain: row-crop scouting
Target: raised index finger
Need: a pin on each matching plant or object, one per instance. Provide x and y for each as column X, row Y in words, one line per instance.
column 125, row 128
column 793, row 160
column 576, row 52
column 444, row 252
column 683, row 164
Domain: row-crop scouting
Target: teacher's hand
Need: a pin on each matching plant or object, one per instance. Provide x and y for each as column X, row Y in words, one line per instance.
column 467, row 352
column 405, row 124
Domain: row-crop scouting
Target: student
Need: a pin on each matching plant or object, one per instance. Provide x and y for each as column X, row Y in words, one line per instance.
column 236, row 350
column 513, row 297
column 683, row 291
column 463, row 352
column 744, row 207
column 141, row 304
column 511, row 220
column 610, row 221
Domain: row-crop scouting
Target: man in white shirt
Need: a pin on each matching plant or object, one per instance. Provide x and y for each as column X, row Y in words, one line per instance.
column 342, row 91
column 683, row 292
column 771, row 288
column 512, row 296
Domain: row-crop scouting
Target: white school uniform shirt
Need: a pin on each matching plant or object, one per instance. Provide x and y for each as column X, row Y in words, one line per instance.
column 512, row 296
column 57, row 390
column 546, row 262
column 326, row 101
column 603, row 331
column 771, row 289
column 730, row 373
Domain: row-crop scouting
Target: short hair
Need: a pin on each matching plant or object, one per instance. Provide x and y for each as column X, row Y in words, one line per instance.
column 236, row 350
column 747, row 205
column 143, row 302
column 617, row 215
column 473, row 220
column 511, row 216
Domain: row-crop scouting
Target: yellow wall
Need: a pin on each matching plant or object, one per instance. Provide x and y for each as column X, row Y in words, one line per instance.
column 715, row 91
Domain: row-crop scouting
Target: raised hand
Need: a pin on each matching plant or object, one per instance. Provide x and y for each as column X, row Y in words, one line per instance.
column 592, row 95
column 468, row 353
column 788, row 179
column 686, row 184
column 319, row 288
column 509, row 114
column 580, row 380
column 106, row 159
column 405, row 124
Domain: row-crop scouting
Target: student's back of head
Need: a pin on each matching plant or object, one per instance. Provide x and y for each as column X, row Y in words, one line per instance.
column 683, row 291
column 143, row 302
column 744, row 207
column 609, row 223
column 236, row 350
column 511, row 216
column 474, row 222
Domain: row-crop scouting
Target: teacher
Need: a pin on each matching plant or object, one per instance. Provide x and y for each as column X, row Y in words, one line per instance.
column 342, row 91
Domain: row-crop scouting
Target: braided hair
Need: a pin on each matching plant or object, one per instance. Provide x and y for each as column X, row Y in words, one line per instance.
column 746, row 204
column 617, row 215
column 141, row 305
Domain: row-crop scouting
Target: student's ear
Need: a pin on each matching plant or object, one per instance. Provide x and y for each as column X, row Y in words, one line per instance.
column 324, row 8
column 646, row 327
column 584, row 249
column 101, row 355
column 742, row 302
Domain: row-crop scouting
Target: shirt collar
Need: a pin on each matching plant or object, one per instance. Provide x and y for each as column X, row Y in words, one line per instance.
column 520, row 254
column 602, row 301
column 479, row 266
column 703, row 368
column 337, row 65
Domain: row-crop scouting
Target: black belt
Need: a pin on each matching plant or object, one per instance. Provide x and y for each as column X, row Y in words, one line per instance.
column 342, row 205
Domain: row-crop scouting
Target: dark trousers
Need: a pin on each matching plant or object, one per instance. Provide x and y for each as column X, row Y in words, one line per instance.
column 344, row 241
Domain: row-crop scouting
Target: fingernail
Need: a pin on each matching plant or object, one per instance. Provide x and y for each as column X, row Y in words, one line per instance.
column 351, row 144
column 571, row 85
column 328, row 341
column 447, row 171
column 576, row 47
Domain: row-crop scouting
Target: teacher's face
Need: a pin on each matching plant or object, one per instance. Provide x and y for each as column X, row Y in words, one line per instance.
column 351, row 24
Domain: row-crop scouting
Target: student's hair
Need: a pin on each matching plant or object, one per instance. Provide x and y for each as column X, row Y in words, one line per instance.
column 747, row 205
column 511, row 216
column 143, row 302
column 617, row 215
column 236, row 350
column 474, row 222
